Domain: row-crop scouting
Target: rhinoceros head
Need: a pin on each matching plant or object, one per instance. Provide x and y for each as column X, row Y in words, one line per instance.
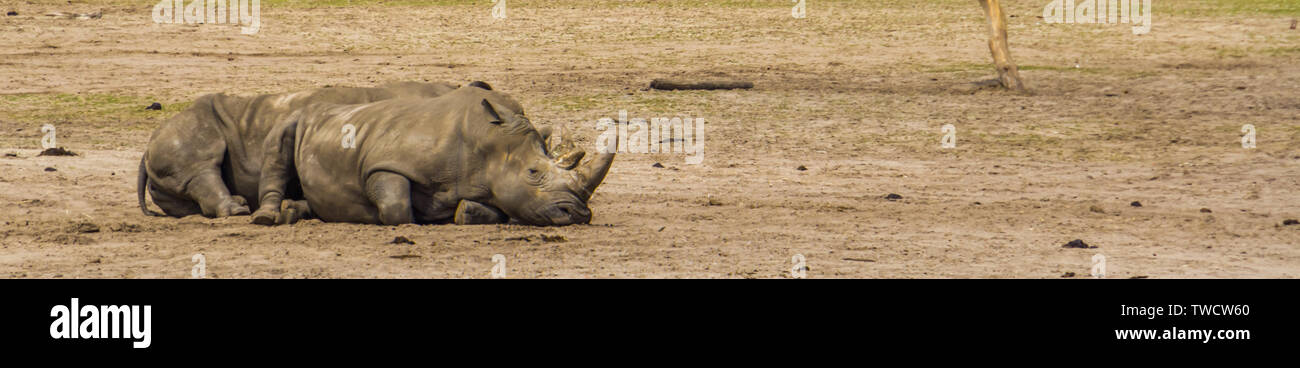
column 524, row 177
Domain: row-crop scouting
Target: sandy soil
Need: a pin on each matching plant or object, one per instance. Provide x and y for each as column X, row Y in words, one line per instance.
column 856, row 93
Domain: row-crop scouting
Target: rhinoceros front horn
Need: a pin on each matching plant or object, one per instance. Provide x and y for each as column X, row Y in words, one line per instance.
column 593, row 173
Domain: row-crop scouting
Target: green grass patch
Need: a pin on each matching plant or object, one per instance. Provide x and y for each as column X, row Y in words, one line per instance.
column 99, row 109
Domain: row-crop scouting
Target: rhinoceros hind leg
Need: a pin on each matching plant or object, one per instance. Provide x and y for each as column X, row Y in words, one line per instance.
column 391, row 194
column 213, row 197
column 172, row 205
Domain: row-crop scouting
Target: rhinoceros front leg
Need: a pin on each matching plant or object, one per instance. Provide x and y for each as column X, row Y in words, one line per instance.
column 277, row 170
column 474, row 213
column 391, row 194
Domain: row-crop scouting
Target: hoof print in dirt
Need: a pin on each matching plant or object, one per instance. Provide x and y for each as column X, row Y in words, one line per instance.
column 893, row 197
column 1078, row 243
column 154, row 106
column 401, row 240
column 57, row 151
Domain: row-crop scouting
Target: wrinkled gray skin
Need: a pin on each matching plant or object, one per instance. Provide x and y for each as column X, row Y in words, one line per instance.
column 419, row 160
column 208, row 159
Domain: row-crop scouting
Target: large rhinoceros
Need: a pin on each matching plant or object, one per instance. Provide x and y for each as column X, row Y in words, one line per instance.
column 207, row 159
column 413, row 160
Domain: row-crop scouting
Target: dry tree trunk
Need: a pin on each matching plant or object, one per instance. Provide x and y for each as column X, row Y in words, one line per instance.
column 674, row 84
column 1008, row 75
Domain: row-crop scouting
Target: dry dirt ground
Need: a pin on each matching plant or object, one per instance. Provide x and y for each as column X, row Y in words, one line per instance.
column 856, row 93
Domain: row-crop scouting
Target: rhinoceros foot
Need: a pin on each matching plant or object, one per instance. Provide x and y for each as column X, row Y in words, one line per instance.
column 237, row 206
column 474, row 213
column 266, row 216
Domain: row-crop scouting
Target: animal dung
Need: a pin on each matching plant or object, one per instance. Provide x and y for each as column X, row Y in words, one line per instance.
column 1078, row 243
column 154, row 106
column 56, row 151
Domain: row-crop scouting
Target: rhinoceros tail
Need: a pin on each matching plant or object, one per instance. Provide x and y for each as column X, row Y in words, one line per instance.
column 140, row 185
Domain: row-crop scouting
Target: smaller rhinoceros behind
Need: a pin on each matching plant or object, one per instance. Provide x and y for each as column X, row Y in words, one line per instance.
column 417, row 160
column 207, row 159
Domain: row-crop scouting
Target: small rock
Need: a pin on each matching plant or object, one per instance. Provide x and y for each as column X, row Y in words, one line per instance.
column 154, row 106
column 11, row 154
column 801, row 168
column 714, row 202
column 1077, row 243
column 13, row 13
column 1206, row 210
column 893, row 197
column 1293, row 21
column 401, row 240
column 1096, row 209
column 1289, row 222
column 1068, row 274
column 657, row 165
column 85, row 228
column 1136, row 204
column 51, row 169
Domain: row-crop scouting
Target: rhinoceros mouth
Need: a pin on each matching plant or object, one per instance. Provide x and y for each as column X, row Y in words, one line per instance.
column 566, row 213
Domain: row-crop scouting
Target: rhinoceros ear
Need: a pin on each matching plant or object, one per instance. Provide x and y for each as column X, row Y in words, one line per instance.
column 480, row 84
column 496, row 118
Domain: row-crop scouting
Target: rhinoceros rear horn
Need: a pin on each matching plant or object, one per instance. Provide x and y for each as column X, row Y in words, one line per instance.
column 593, row 173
